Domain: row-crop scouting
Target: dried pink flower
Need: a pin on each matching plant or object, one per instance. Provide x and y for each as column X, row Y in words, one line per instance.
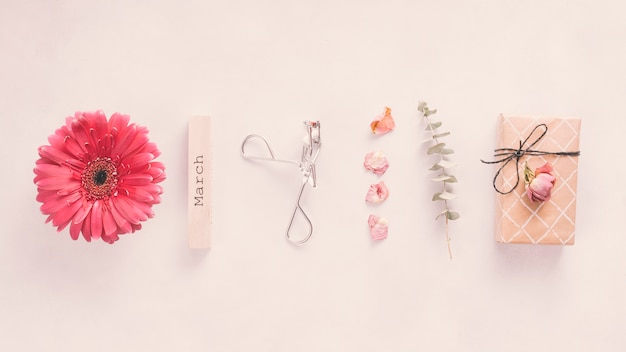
column 98, row 176
column 377, row 193
column 378, row 227
column 383, row 123
column 376, row 162
column 540, row 183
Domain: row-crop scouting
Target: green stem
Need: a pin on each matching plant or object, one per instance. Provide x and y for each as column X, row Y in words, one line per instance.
column 448, row 239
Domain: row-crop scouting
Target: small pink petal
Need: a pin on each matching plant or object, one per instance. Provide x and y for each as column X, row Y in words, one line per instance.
column 383, row 123
column 377, row 193
column 376, row 162
column 378, row 227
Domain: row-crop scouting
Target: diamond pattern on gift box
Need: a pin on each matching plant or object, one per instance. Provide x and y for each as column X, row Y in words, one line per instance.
column 518, row 220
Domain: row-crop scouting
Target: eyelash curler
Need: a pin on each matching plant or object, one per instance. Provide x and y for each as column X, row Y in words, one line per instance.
column 310, row 150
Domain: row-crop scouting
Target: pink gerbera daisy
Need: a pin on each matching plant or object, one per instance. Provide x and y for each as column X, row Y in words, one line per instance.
column 98, row 176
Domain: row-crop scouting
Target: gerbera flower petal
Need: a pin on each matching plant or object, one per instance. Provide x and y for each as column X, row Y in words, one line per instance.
column 63, row 141
column 99, row 123
column 122, row 224
column 123, row 140
column 152, row 149
column 110, row 238
column 51, row 170
column 108, row 223
column 57, row 140
column 44, row 195
column 82, row 212
column 55, row 204
column 69, row 189
column 75, row 230
column 104, row 145
column 140, row 140
column 156, row 170
column 72, row 146
column 86, row 228
column 142, row 210
column 157, row 198
column 80, row 129
column 118, row 121
column 136, row 179
column 54, row 183
column 140, row 194
column 85, row 135
column 62, row 217
column 138, row 161
column 96, row 220
column 143, row 193
column 98, row 176
column 55, row 155
column 127, row 211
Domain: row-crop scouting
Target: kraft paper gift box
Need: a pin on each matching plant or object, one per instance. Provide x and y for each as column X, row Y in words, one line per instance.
column 518, row 220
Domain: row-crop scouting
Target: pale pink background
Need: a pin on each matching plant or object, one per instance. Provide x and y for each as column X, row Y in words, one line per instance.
column 264, row 66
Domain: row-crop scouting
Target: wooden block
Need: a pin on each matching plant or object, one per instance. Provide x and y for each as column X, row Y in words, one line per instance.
column 199, row 182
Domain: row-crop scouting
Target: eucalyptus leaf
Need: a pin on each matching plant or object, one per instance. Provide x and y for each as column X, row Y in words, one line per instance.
column 433, row 126
column 445, row 178
column 444, row 196
column 443, row 212
column 445, row 151
column 435, row 148
column 436, row 167
column 440, row 178
column 446, row 164
column 451, row 179
column 443, row 134
column 452, row 215
column 428, row 112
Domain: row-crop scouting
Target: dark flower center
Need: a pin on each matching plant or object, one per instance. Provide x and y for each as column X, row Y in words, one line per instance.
column 99, row 179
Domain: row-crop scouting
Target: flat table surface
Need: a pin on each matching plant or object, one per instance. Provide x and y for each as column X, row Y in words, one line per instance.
column 264, row 67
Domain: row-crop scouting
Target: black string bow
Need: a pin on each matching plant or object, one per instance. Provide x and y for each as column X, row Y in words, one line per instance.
column 510, row 154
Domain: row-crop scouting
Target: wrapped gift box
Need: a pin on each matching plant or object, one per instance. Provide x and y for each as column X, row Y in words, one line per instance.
column 518, row 220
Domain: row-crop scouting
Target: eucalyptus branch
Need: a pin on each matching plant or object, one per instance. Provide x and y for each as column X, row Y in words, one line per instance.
column 442, row 167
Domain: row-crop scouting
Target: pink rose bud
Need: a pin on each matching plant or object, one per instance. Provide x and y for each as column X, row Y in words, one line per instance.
column 378, row 227
column 376, row 162
column 383, row 123
column 377, row 193
column 539, row 184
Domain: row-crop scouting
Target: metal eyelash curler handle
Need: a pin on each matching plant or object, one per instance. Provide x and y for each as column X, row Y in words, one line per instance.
column 306, row 165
